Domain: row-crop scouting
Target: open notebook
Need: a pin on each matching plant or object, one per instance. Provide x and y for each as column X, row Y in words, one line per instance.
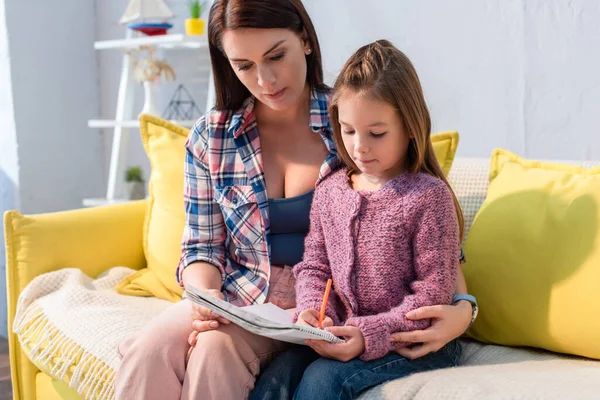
column 263, row 319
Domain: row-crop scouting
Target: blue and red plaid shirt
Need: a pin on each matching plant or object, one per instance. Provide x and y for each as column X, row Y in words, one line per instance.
column 226, row 203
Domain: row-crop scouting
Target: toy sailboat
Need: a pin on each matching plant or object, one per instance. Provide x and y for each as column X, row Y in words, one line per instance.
column 140, row 15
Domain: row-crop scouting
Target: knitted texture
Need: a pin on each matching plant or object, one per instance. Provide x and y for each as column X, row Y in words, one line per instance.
column 388, row 252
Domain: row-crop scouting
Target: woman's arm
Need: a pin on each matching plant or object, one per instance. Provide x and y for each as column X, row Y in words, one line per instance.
column 448, row 323
column 461, row 283
column 202, row 275
column 203, row 242
column 202, row 262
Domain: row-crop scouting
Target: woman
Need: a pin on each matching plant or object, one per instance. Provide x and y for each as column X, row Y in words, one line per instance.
column 251, row 167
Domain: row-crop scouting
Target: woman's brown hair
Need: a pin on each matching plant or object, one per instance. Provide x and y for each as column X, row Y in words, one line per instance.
column 261, row 14
column 383, row 72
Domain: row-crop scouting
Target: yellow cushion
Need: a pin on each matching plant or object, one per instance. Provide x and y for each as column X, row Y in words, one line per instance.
column 165, row 146
column 444, row 146
column 533, row 256
column 164, row 143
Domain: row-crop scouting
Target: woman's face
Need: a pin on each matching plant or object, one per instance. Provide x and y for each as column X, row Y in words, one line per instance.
column 271, row 63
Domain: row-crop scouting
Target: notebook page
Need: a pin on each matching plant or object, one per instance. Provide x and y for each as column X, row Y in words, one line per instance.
column 270, row 311
column 277, row 325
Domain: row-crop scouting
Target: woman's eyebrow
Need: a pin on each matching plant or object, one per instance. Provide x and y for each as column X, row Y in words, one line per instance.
column 273, row 47
column 265, row 53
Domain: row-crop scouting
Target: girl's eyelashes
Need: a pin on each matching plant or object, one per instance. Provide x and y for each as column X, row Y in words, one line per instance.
column 244, row 67
column 377, row 135
column 374, row 134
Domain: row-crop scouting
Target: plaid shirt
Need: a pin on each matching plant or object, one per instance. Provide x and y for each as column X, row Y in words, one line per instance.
column 226, row 203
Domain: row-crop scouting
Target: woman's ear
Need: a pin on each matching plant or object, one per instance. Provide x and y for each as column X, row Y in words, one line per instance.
column 305, row 42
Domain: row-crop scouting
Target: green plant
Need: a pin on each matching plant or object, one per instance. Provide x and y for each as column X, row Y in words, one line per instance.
column 134, row 174
column 196, row 8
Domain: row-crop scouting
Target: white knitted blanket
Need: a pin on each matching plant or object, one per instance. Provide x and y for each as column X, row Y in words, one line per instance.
column 70, row 326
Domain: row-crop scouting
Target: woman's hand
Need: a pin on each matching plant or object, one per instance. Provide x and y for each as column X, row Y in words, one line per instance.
column 311, row 318
column 353, row 347
column 204, row 319
column 448, row 323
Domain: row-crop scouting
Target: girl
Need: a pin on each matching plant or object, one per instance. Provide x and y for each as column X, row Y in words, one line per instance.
column 386, row 229
column 251, row 165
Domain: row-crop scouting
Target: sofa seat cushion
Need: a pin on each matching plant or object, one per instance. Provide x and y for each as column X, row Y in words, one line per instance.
column 70, row 325
column 48, row 388
column 497, row 372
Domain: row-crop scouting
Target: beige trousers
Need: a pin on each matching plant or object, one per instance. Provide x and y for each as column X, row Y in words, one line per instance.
column 223, row 364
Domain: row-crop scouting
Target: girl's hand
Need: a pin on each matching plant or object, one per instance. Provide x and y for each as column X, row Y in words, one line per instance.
column 311, row 318
column 448, row 323
column 204, row 319
column 353, row 347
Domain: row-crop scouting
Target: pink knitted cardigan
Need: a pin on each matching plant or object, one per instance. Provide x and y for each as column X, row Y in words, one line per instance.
column 388, row 252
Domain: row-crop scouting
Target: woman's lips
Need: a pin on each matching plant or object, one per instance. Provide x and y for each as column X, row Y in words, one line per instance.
column 275, row 95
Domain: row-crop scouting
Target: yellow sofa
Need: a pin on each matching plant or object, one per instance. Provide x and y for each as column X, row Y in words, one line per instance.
column 37, row 244
column 100, row 238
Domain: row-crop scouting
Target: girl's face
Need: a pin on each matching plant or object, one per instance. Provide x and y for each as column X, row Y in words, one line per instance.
column 373, row 135
column 271, row 63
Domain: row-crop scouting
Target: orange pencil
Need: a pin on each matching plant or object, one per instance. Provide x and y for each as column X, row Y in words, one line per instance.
column 324, row 304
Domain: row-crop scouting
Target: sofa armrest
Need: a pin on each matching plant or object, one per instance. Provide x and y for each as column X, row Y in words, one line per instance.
column 93, row 240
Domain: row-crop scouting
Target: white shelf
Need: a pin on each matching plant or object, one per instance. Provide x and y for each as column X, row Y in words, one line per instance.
column 177, row 40
column 134, row 123
column 102, row 202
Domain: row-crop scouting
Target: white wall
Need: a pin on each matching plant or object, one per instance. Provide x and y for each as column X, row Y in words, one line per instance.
column 54, row 82
column 9, row 166
column 518, row 74
column 49, row 159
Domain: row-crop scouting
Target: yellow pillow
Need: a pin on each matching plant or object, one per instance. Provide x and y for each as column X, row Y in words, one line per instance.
column 533, row 257
column 444, row 146
column 164, row 143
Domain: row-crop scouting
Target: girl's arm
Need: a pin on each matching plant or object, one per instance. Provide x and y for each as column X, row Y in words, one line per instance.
column 436, row 252
column 314, row 270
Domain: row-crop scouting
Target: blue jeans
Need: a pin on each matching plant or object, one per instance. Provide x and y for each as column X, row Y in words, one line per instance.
column 302, row 372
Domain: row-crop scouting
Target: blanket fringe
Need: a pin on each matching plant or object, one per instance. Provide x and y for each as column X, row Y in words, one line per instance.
column 91, row 378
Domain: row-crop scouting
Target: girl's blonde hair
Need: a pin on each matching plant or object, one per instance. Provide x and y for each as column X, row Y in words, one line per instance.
column 381, row 71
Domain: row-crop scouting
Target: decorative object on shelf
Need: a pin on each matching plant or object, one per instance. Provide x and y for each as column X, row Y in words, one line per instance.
column 195, row 25
column 182, row 106
column 139, row 14
column 148, row 71
column 136, row 187
column 125, row 119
